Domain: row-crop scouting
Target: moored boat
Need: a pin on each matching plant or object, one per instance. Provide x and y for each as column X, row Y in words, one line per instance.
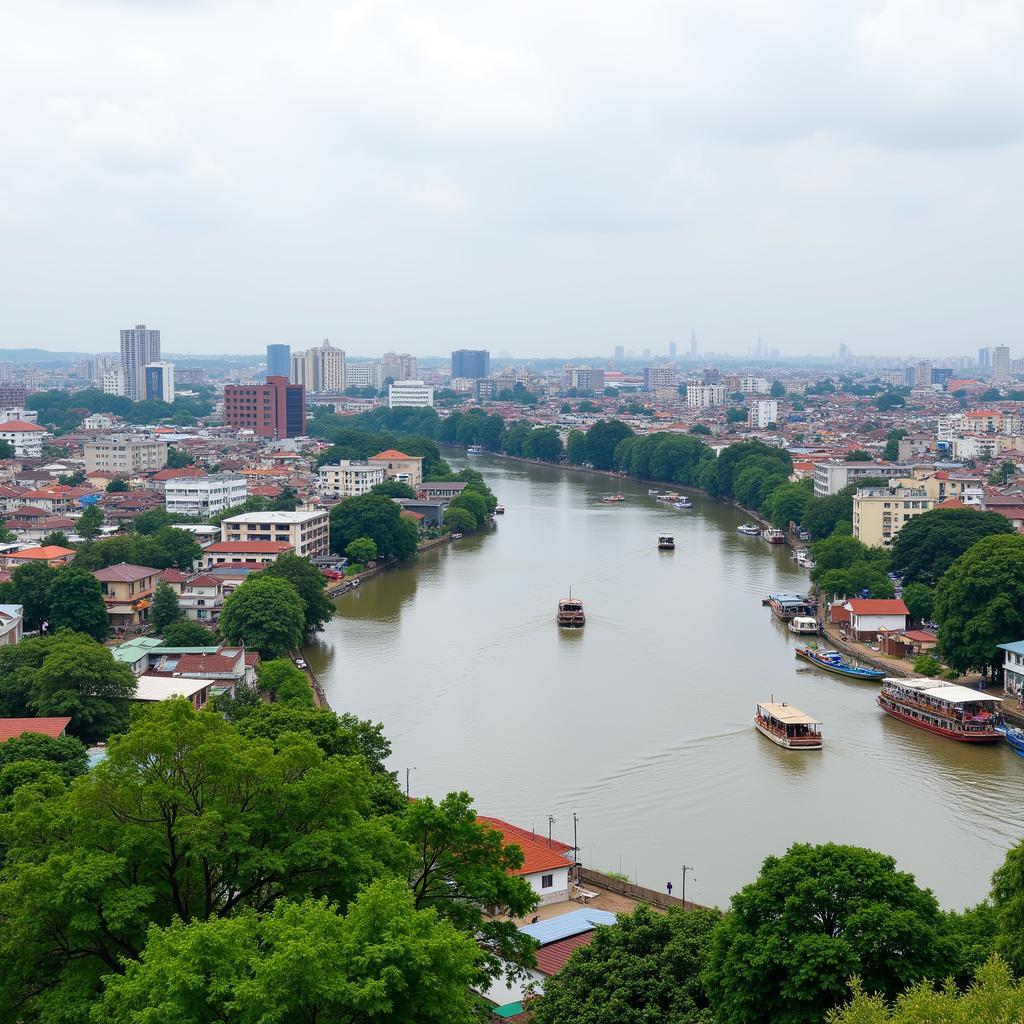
column 666, row 542
column 785, row 606
column 788, row 726
column 833, row 661
column 608, row 499
column 499, row 510
column 683, row 502
column 948, row 709
column 475, row 449
column 773, row 535
column 669, row 496
column 803, row 624
column 748, row 529
column 1015, row 737
column 654, row 491
column 570, row 613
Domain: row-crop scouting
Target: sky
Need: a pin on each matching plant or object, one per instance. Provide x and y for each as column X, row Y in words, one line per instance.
column 543, row 177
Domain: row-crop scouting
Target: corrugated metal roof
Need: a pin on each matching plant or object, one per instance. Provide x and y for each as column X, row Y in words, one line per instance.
column 561, row 927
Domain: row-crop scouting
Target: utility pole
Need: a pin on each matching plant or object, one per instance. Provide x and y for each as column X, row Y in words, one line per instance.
column 575, row 848
column 686, row 867
column 551, row 820
column 407, row 770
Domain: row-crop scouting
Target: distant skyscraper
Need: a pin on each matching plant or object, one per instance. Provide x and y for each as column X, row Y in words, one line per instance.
column 984, row 358
column 159, row 381
column 471, row 363
column 844, row 350
column 320, row 369
column 138, row 347
column 278, row 360
column 620, row 353
column 672, row 350
column 399, row 366
column 922, row 374
column 1001, row 362
column 694, row 352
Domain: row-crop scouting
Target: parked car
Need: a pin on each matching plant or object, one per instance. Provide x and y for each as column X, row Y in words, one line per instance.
column 299, row 663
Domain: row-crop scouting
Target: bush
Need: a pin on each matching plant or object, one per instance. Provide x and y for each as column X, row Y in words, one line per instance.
column 926, row 665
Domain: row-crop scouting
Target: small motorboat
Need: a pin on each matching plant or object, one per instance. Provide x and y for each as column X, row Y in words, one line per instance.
column 654, row 492
column 666, row 542
column 610, row 499
column 749, row 530
column 499, row 510
column 1014, row 736
column 683, row 502
column 802, row 624
column 834, row 662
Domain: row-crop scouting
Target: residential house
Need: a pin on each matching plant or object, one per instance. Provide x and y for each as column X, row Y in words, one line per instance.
column 1013, row 668
column 307, row 531
column 429, row 512
column 348, row 479
column 149, row 689
column 201, row 599
column 446, row 489
column 879, row 513
column 408, row 469
column 128, row 592
column 27, row 439
column 546, row 862
column 258, row 553
column 53, row 555
column 12, row 728
column 11, row 616
column 871, row 616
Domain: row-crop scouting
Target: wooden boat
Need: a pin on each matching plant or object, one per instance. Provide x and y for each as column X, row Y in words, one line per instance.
column 669, row 496
column 610, row 498
column 786, row 606
column 788, row 726
column 834, row 662
column 666, row 542
column 773, row 535
column 499, row 510
column 570, row 613
column 683, row 502
column 803, row 624
column 748, row 529
column 948, row 709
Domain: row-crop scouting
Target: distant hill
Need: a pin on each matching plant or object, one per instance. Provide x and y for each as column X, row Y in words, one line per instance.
column 38, row 355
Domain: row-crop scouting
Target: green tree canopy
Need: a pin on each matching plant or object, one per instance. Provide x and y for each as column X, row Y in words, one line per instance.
column 32, row 583
column 310, row 582
column 393, row 489
column 643, row 969
column 76, row 603
column 813, row 919
column 777, row 389
column 459, row 520
column 979, row 602
column 186, row 633
column 928, row 545
column 65, row 754
column 165, row 608
column 89, row 522
column 842, row 552
column 361, row 550
column 266, row 613
column 178, row 458
column 602, row 438
column 920, row 600
column 858, row 455
column 376, row 517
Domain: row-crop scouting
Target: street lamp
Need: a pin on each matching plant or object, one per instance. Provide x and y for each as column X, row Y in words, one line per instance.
column 407, row 770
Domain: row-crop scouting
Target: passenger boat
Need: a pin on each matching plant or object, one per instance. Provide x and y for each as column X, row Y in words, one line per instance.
column 945, row 708
column 786, row 606
column 666, row 542
column 570, row 613
column 654, row 492
column 499, row 510
column 773, row 535
column 683, row 502
column 608, row 499
column 788, row 726
column 669, row 496
column 833, row 661
column 748, row 529
column 803, row 624
column 475, row 449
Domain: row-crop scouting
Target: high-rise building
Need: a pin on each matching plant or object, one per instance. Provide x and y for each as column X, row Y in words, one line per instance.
column 663, row 376
column 763, row 412
column 12, row 395
column 471, row 363
column 276, row 409
column 278, row 360
column 694, row 352
column 672, row 350
column 700, row 396
column 984, row 358
column 583, row 378
column 317, row 369
column 139, row 347
column 1001, row 362
column 620, row 353
column 922, row 374
column 113, row 381
column 159, row 379
column 364, row 375
column 399, row 365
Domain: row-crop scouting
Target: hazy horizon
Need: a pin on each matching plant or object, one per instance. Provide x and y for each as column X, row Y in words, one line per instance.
column 539, row 179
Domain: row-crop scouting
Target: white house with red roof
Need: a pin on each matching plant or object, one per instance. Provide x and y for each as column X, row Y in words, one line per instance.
column 547, row 863
column 871, row 616
column 244, row 552
column 26, row 438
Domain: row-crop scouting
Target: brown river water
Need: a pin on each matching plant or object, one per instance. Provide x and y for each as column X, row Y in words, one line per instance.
column 641, row 722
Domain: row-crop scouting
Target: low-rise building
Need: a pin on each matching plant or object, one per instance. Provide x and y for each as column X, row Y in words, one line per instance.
column 307, row 531
column 125, row 455
column 204, row 496
column 879, row 513
column 149, row 689
column 407, row 469
column 446, row 489
column 410, row 394
column 869, row 617
column 11, row 623
column 53, row 555
column 348, row 479
column 128, row 592
column 832, row 476
column 27, row 439
column 12, row 728
column 1013, row 668
column 257, row 553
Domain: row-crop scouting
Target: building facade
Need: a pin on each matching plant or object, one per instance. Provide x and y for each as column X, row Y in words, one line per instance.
column 364, row 375
column 308, row 531
column 399, row 366
column 204, row 496
column 472, row 363
column 319, row 369
column 128, row 592
column 278, row 360
column 407, row 469
column 413, row 394
column 276, row 409
column 125, row 456
column 347, row 479
column 159, row 382
column 702, row 396
column 26, row 438
column 139, row 347
column 763, row 412
column 1001, row 363
column 663, row 376
column 879, row 513
column 831, row 477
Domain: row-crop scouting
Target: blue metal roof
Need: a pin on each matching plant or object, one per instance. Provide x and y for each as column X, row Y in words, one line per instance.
column 1015, row 648
column 562, row 927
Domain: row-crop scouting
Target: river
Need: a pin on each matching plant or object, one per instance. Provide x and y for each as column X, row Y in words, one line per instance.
column 641, row 722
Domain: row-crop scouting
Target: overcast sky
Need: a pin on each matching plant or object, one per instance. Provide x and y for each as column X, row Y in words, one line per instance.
column 539, row 177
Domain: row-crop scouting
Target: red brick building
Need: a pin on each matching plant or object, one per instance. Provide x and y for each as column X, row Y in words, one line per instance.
column 276, row 409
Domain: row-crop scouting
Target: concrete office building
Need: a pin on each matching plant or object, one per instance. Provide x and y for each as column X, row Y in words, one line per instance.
column 879, row 513
column 125, row 455
column 701, row 396
column 139, row 347
column 471, row 363
column 160, row 382
column 276, row 409
column 204, row 496
column 308, row 532
column 348, row 479
column 410, row 394
column 399, row 366
column 762, row 413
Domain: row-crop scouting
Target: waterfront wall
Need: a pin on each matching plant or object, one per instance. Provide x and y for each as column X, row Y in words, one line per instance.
column 636, row 892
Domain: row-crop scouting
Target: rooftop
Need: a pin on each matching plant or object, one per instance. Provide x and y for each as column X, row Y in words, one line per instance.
column 789, row 714
column 565, row 925
column 877, row 606
column 301, row 516
column 10, row 728
column 124, row 572
column 948, row 693
column 164, row 687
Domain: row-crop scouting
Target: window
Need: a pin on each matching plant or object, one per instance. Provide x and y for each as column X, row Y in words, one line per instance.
column 547, row 881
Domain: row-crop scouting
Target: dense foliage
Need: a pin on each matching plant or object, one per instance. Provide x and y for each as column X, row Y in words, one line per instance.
column 376, row 517
column 266, row 613
column 309, row 582
column 163, row 548
column 62, row 411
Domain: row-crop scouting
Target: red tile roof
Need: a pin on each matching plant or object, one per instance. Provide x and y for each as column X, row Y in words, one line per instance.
column 391, row 453
column 125, row 572
column 552, row 957
column 951, row 503
column 513, row 833
column 537, row 855
column 875, row 606
column 21, row 427
column 266, row 547
column 12, row 727
column 40, row 554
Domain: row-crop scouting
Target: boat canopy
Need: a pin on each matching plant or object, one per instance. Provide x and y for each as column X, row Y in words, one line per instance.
column 788, row 714
column 948, row 693
column 788, row 598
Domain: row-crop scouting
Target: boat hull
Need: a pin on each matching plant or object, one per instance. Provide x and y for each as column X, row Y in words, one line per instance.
column 961, row 737
column 801, row 630
column 571, row 622
column 783, row 741
column 864, row 676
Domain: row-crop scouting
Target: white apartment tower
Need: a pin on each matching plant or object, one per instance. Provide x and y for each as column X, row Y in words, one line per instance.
column 319, row 369
column 1001, row 363
column 139, row 347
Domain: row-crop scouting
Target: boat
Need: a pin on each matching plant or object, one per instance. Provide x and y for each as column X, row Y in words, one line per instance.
column 499, row 510
column 666, row 542
column 833, row 661
column 475, row 449
column 948, row 709
column 786, row 606
column 456, row 536
column 773, row 535
column 788, row 726
column 683, row 502
column 803, row 624
column 1014, row 736
column 570, row 613
column 608, row 499
column 654, row 491
column 748, row 529
column 669, row 496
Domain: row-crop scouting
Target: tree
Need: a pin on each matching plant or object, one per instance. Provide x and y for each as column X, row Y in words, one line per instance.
column 186, row 633
column 393, row 489
column 165, row 608
column 777, row 389
column 892, row 444
column 979, row 603
column 267, row 614
column 787, row 502
column 858, row 455
column 1008, row 904
column 544, row 443
column 1003, row 474
column 361, row 550
column 177, row 458
column 66, row 755
column 994, row 998
column 388, row 963
column 919, row 600
column 89, row 522
column 116, row 485
column 926, row 665
column 839, row 552
column 459, row 520
column 376, row 517
column 55, row 538
column 32, row 583
column 736, row 415
column 281, row 678
column 890, row 400
column 700, row 428
column 79, row 677
column 813, row 919
column 928, row 545
column 6, row 450
column 76, row 603
column 310, row 582
column 602, row 438
column 295, row 690
column 151, row 521
column 647, row 967
column 576, row 447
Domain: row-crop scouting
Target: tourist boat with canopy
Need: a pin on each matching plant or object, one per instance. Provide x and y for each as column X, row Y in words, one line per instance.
column 788, row 726
column 834, row 662
column 749, row 529
column 803, row 624
column 666, row 542
column 948, row 709
column 570, row 612
column 787, row 606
